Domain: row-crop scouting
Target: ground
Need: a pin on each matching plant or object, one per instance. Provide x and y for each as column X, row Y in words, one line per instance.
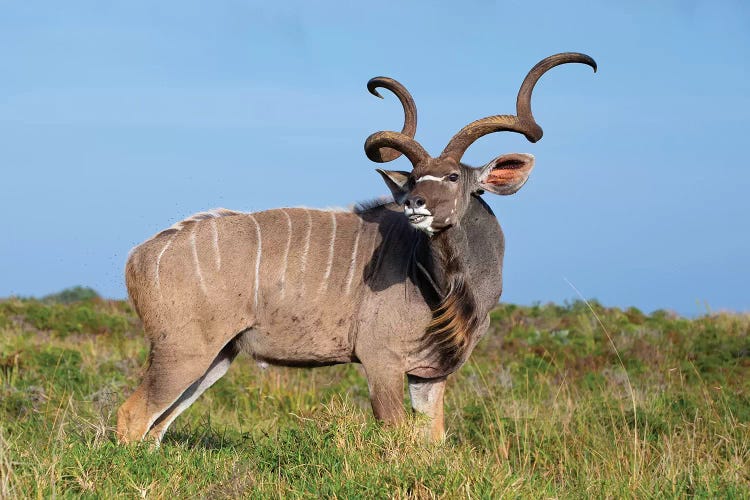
column 556, row 401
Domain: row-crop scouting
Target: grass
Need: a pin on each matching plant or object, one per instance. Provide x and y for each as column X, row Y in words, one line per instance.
column 553, row 403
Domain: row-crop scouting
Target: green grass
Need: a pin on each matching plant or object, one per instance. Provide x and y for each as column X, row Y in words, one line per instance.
column 546, row 407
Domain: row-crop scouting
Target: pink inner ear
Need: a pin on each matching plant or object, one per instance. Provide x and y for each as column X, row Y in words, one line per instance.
column 506, row 175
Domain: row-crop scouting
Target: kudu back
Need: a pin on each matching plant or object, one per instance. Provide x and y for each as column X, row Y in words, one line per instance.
column 404, row 288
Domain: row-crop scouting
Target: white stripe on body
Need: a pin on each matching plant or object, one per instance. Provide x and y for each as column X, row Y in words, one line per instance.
column 303, row 261
column 286, row 251
column 215, row 233
column 324, row 284
column 195, row 259
column 158, row 263
column 258, row 254
column 353, row 262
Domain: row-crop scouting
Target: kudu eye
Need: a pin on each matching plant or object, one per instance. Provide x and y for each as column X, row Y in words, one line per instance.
column 453, row 177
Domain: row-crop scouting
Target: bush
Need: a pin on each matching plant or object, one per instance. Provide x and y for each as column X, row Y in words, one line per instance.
column 73, row 294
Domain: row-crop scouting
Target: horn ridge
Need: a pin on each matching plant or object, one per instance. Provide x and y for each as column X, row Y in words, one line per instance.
column 409, row 129
column 396, row 141
column 479, row 128
column 523, row 101
column 523, row 122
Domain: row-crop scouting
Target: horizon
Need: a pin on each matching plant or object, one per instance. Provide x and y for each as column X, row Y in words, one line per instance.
column 82, row 293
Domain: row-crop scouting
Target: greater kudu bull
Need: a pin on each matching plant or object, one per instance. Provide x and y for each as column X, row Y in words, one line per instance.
column 404, row 288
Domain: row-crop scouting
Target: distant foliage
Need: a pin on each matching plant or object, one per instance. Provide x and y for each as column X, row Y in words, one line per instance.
column 73, row 294
column 87, row 317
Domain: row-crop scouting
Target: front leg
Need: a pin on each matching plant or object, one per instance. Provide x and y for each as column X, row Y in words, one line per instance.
column 427, row 398
column 386, row 394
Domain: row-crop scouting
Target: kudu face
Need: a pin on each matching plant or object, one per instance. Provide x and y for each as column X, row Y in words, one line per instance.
column 436, row 193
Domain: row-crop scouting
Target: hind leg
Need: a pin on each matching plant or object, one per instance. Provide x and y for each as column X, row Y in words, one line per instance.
column 218, row 369
column 173, row 369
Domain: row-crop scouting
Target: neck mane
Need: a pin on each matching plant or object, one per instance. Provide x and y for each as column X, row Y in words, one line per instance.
column 455, row 316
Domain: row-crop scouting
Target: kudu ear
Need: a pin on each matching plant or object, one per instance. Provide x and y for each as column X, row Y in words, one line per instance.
column 506, row 174
column 396, row 181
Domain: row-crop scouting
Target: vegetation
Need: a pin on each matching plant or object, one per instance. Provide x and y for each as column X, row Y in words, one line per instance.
column 73, row 294
column 557, row 401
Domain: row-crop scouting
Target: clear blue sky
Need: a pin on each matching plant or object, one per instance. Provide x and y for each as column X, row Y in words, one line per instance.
column 118, row 120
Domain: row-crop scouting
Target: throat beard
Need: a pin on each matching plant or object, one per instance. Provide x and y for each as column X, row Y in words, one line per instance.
column 454, row 320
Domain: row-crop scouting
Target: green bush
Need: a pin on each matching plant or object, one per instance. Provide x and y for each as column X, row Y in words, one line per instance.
column 92, row 317
column 73, row 294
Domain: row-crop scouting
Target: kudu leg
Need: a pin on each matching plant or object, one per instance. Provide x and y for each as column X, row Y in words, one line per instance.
column 387, row 395
column 172, row 371
column 218, row 369
column 427, row 399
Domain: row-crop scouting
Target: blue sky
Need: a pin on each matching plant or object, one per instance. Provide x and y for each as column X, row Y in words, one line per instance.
column 118, row 120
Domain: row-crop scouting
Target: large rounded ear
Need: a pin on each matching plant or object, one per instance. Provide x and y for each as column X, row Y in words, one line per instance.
column 396, row 181
column 506, row 174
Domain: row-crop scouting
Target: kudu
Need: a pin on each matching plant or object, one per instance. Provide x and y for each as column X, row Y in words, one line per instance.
column 404, row 288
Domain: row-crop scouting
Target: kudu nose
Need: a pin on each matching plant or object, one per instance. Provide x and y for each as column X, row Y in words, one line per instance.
column 414, row 202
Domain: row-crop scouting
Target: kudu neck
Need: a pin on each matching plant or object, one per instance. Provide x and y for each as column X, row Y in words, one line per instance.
column 450, row 253
column 461, row 306
column 446, row 249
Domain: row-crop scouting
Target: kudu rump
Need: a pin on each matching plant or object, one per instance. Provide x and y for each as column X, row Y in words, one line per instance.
column 404, row 288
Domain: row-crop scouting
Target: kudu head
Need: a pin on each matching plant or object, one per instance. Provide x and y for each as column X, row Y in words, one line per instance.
column 436, row 193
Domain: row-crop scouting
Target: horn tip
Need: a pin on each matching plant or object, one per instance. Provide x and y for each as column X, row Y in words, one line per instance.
column 373, row 84
column 590, row 61
column 535, row 136
column 579, row 57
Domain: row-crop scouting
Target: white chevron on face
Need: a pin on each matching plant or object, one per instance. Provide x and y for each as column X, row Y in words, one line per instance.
column 430, row 178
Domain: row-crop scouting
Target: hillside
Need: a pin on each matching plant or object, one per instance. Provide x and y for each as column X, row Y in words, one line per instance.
column 574, row 400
